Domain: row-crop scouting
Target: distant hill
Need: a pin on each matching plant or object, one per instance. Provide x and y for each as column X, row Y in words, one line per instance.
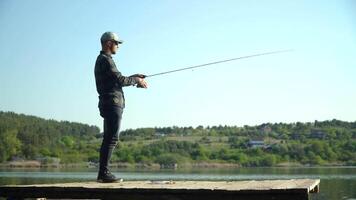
column 30, row 137
column 331, row 142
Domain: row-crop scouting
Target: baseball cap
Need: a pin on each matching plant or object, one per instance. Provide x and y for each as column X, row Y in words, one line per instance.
column 110, row 36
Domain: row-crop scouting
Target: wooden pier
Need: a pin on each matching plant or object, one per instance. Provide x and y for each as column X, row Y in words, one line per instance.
column 295, row 189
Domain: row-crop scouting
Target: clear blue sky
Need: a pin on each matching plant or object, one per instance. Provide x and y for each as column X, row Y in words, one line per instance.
column 48, row 50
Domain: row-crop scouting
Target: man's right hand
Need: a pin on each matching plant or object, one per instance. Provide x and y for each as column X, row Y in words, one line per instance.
column 141, row 83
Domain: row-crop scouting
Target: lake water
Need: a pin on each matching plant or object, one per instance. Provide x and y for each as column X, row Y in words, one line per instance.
column 336, row 183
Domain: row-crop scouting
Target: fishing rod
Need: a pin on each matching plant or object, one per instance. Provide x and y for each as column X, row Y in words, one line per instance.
column 214, row 63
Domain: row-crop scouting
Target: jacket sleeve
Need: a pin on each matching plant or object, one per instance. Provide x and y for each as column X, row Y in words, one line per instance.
column 114, row 73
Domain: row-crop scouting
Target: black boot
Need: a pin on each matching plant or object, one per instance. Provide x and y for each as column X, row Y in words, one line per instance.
column 105, row 176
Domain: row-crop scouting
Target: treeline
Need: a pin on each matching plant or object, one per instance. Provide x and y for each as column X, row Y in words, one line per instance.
column 30, row 137
column 315, row 143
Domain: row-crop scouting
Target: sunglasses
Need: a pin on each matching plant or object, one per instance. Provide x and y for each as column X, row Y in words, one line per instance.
column 115, row 42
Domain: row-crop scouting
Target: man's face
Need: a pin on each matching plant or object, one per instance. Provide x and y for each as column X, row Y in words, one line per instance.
column 114, row 47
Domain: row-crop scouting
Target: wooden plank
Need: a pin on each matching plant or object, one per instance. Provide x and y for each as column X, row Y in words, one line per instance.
column 169, row 190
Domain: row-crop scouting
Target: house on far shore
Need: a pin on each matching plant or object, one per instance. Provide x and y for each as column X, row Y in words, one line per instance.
column 317, row 134
column 257, row 144
column 159, row 134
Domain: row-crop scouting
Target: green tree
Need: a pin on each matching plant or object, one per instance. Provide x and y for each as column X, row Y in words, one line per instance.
column 9, row 144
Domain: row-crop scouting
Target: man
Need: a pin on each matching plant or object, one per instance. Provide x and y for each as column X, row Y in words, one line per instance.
column 109, row 83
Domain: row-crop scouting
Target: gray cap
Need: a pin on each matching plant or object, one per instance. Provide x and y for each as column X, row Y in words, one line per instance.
column 110, row 36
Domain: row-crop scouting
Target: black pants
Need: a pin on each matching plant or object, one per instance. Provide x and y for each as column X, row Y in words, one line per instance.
column 112, row 120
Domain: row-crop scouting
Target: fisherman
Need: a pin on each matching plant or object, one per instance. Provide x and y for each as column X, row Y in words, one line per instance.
column 109, row 83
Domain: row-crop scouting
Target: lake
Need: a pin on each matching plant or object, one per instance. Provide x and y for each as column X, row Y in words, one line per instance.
column 336, row 182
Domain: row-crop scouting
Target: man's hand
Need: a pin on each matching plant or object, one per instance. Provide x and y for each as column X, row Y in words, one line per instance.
column 141, row 83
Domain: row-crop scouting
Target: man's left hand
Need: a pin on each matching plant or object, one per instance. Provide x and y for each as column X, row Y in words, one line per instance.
column 141, row 83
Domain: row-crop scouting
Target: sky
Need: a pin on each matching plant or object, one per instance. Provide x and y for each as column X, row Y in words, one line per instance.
column 48, row 51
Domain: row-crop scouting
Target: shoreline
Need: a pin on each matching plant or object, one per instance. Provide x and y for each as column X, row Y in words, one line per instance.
column 33, row 164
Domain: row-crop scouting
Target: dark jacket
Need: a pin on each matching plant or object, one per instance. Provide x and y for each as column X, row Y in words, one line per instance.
column 109, row 82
